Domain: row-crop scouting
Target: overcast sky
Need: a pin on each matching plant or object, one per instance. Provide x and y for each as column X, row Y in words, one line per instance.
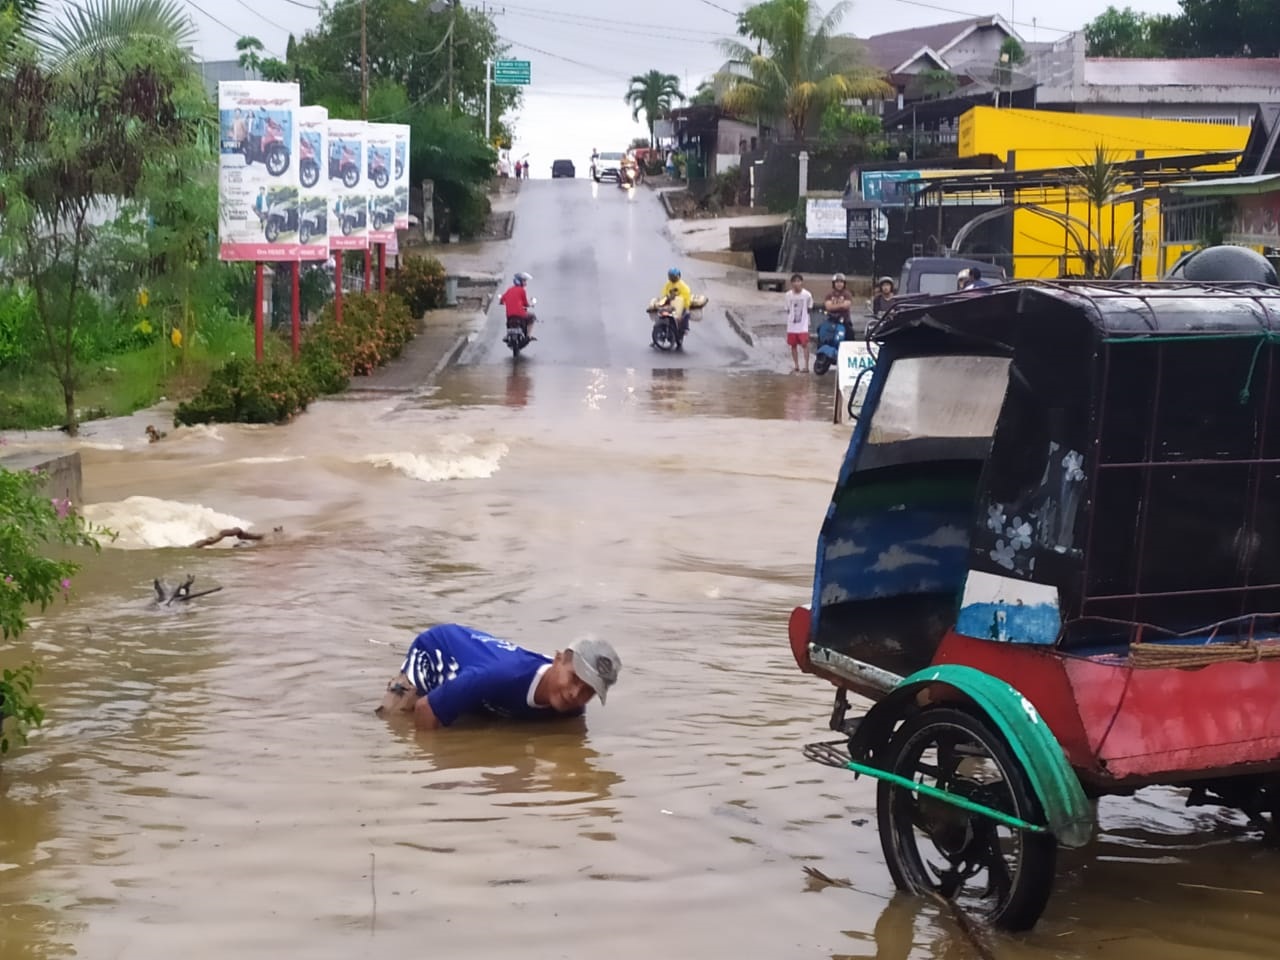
column 582, row 59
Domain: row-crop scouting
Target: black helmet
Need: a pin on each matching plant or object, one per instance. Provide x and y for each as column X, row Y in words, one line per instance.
column 1225, row 263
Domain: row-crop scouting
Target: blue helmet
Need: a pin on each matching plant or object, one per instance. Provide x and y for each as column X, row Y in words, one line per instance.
column 673, row 273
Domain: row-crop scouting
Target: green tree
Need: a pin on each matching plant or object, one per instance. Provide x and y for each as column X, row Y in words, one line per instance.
column 250, row 50
column 1122, row 33
column 655, row 93
column 1227, row 28
column 31, row 526
column 705, row 95
column 276, row 71
column 796, row 70
column 124, row 99
column 933, row 83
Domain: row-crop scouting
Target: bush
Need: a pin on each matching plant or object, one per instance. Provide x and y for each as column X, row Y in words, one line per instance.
column 375, row 328
column 243, row 391
column 419, row 282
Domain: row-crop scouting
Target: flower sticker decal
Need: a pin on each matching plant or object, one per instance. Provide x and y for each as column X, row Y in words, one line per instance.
column 995, row 518
column 1072, row 464
column 1019, row 534
column 1003, row 554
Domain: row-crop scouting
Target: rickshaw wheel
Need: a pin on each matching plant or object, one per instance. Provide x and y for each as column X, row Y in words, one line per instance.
column 998, row 873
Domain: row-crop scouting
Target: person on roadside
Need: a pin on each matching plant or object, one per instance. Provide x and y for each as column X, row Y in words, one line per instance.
column 885, row 290
column 451, row 671
column 798, row 302
column 516, row 301
column 839, row 304
column 975, row 279
column 963, row 279
column 677, row 293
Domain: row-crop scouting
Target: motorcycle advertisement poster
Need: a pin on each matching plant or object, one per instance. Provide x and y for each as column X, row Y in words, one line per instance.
column 380, row 141
column 313, row 203
column 400, row 176
column 257, row 170
column 348, row 187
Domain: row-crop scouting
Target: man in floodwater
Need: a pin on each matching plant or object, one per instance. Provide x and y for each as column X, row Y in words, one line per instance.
column 452, row 670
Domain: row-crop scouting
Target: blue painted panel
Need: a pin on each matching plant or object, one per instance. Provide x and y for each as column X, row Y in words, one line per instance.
column 1012, row 622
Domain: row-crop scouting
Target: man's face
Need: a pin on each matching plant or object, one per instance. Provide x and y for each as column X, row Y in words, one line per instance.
column 886, row 288
column 838, row 287
column 566, row 691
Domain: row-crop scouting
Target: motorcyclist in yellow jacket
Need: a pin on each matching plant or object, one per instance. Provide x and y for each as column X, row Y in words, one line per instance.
column 679, row 293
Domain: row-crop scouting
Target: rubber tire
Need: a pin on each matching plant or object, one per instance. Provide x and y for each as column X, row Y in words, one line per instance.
column 1034, row 881
column 350, row 177
column 381, row 179
column 309, row 174
column 662, row 337
column 304, row 233
column 278, row 157
column 272, row 229
column 821, row 365
column 399, row 169
column 348, row 225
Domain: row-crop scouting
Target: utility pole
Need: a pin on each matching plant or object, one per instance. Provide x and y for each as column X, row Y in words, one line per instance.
column 364, row 61
column 453, row 16
column 488, row 88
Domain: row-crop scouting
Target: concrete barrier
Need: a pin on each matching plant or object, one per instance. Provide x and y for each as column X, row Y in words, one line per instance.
column 63, row 475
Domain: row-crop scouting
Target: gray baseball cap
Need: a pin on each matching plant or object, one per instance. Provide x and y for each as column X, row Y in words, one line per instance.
column 596, row 664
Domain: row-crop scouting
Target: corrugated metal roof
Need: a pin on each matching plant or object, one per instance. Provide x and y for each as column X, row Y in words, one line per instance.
column 1208, row 72
column 888, row 50
column 1229, row 186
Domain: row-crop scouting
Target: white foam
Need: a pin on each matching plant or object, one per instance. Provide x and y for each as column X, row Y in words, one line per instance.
column 257, row 460
column 143, row 523
column 200, row 430
column 98, row 445
column 439, row 467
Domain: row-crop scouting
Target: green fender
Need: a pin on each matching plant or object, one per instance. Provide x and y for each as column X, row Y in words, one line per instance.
column 1067, row 809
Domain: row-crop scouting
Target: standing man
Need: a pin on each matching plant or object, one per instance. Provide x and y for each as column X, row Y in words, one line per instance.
column 451, row 671
column 839, row 304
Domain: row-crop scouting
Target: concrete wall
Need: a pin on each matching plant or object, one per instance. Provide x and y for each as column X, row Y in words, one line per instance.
column 64, row 477
column 980, row 48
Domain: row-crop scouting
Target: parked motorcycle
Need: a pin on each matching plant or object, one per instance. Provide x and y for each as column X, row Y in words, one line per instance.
column 281, row 218
column 342, row 165
column 314, row 223
column 352, row 220
column 517, row 337
column 378, row 172
column 831, row 333
column 382, row 212
column 268, row 149
column 308, row 166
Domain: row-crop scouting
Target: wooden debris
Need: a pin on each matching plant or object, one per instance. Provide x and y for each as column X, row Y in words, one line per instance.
column 236, row 532
column 182, row 593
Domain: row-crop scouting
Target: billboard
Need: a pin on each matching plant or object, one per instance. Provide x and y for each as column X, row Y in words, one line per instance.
column 825, row 218
column 348, row 186
column 313, row 201
column 401, row 175
column 380, row 146
column 896, row 188
column 257, row 170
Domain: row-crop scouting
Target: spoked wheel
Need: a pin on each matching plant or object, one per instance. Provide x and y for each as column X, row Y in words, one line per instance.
column 664, row 337
column 995, row 872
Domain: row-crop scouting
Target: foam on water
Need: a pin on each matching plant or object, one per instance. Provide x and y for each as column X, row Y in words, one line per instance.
column 143, row 523
column 434, row 468
column 258, row 460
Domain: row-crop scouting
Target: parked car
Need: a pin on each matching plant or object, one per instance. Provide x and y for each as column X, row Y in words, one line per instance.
column 562, row 168
column 938, row 274
column 606, row 166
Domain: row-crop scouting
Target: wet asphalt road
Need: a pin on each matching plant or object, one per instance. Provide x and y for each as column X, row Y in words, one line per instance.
column 598, row 254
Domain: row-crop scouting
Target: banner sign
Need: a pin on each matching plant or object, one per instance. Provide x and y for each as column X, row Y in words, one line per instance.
column 348, row 189
column 313, row 204
column 825, row 218
column 1256, row 221
column 401, row 175
column 380, row 144
column 258, row 170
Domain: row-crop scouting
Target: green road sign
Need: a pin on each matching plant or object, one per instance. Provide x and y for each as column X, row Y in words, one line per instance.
column 511, row 73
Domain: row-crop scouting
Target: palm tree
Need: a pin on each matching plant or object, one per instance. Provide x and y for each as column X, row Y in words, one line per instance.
column 796, row 71
column 1099, row 179
column 655, row 93
column 250, row 58
column 92, row 27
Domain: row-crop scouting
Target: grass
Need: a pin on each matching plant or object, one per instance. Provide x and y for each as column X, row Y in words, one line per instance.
column 123, row 383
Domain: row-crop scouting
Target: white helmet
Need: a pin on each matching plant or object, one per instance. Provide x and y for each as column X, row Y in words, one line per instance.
column 522, row 278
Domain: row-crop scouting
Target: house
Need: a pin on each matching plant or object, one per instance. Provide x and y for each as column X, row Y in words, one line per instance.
column 711, row 140
column 1222, row 90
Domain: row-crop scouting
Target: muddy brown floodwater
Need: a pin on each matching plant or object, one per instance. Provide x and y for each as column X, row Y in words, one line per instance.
column 211, row 782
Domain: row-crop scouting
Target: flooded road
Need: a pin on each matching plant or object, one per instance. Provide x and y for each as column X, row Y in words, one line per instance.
column 211, row 782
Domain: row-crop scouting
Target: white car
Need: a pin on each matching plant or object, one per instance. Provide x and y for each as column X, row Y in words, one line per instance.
column 606, row 166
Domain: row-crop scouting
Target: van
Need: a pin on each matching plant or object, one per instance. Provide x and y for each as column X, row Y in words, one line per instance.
column 938, row 274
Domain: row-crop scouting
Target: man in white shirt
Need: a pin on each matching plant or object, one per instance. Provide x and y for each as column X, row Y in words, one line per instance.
column 799, row 302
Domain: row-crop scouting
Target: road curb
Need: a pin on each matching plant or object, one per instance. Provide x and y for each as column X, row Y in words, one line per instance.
column 740, row 328
column 450, row 356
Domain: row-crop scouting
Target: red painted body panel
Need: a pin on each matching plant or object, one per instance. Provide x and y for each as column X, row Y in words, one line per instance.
column 1121, row 726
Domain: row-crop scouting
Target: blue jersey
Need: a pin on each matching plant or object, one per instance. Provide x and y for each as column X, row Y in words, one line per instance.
column 462, row 670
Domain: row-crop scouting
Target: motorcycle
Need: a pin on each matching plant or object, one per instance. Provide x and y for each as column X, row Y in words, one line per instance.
column 314, row 223
column 627, row 178
column 281, row 218
column 268, row 149
column 378, row 171
column 668, row 329
column 382, row 212
column 308, row 167
column 342, row 165
column 349, row 221
column 831, row 334
column 517, row 337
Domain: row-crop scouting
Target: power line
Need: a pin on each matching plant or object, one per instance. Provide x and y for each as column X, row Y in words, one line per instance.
column 606, row 21
column 225, row 26
column 972, row 16
column 555, row 56
column 612, row 29
column 262, row 17
column 716, row 6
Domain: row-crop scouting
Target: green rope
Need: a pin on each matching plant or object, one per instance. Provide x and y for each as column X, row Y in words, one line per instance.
column 1263, row 337
column 946, row 797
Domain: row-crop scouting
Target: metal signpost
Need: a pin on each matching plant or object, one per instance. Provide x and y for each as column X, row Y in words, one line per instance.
column 506, row 73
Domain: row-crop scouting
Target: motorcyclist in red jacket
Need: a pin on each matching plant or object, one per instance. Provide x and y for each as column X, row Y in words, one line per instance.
column 516, row 300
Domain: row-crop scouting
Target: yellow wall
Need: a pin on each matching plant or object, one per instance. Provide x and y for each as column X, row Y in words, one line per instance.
column 1042, row 139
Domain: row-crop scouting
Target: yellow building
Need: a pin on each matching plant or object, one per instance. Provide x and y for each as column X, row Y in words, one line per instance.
column 1064, row 220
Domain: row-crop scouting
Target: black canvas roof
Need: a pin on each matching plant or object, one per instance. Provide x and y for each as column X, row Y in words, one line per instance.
column 1112, row 309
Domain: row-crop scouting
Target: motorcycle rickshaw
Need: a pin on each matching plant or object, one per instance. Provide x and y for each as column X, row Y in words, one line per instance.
column 1052, row 563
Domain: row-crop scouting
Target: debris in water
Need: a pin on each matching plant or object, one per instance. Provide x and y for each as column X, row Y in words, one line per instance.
column 166, row 595
column 822, row 880
column 154, row 435
column 238, row 532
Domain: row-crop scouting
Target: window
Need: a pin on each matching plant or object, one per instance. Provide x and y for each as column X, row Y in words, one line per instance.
column 940, row 397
